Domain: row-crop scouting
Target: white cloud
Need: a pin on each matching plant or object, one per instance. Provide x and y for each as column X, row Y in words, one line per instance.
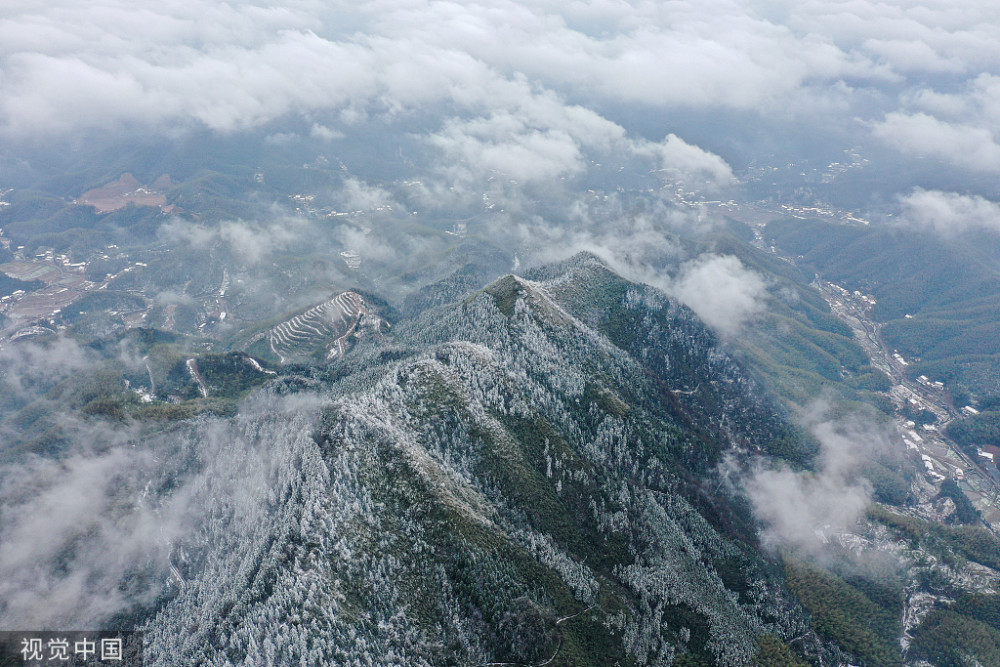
column 802, row 510
column 123, row 512
column 912, row 54
column 66, row 65
column 371, row 247
column 963, row 145
column 676, row 155
column 250, row 242
column 71, row 534
column 325, row 133
column 906, row 36
column 356, row 195
column 721, row 291
column 506, row 144
column 25, row 365
column 949, row 213
column 938, row 104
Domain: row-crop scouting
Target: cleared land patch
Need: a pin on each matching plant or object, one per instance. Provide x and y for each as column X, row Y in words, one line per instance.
column 125, row 190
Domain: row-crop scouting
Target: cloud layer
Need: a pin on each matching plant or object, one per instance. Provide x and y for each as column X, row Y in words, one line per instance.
column 949, row 213
column 519, row 85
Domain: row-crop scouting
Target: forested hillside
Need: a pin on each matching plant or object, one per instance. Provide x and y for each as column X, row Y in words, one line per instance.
column 516, row 486
column 937, row 296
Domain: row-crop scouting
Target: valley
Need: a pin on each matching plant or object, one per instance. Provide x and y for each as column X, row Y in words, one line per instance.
column 940, row 456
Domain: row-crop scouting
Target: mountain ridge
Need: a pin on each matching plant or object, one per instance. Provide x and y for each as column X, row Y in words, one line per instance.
column 512, row 437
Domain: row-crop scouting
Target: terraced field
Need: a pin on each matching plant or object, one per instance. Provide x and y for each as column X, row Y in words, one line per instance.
column 329, row 324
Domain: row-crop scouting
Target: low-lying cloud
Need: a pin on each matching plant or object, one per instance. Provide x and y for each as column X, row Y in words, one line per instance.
column 673, row 154
column 249, row 242
column 965, row 145
column 802, row 510
column 25, row 366
column 125, row 516
column 72, row 531
column 949, row 213
column 721, row 291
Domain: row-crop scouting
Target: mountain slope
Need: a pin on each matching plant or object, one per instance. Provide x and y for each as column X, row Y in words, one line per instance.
column 515, row 487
